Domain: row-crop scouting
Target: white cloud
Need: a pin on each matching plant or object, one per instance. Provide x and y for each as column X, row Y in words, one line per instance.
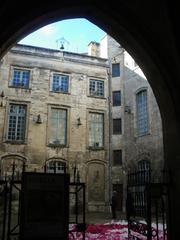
column 49, row 29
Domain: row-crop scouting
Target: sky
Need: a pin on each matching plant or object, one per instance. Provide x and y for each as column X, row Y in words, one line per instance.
column 74, row 34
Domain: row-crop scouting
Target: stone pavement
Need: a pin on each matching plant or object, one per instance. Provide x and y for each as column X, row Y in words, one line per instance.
column 102, row 217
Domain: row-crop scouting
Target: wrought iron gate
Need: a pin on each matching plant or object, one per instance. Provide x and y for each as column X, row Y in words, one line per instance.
column 147, row 205
column 10, row 196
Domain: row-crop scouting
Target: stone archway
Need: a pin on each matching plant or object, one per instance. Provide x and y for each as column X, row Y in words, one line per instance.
column 12, row 165
column 96, row 188
column 147, row 30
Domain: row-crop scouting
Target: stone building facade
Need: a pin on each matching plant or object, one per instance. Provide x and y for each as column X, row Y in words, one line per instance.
column 136, row 140
column 54, row 116
column 94, row 116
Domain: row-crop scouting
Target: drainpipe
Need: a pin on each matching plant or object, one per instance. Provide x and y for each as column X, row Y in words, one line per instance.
column 110, row 131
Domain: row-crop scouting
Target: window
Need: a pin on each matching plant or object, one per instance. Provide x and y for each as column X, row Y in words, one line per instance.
column 20, row 78
column 56, row 166
column 117, row 128
column 117, row 98
column 58, row 126
column 60, row 83
column 16, row 122
column 143, row 165
column 12, row 166
column 115, row 70
column 96, row 130
column 142, row 113
column 117, row 157
column 144, row 169
column 96, row 88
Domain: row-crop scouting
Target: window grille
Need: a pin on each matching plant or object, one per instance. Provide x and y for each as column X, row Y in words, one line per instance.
column 21, row 78
column 56, row 166
column 58, row 126
column 96, row 130
column 96, row 88
column 60, row 83
column 16, row 122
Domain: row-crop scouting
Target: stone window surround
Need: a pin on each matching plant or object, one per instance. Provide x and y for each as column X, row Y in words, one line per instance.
column 63, row 107
column 52, row 73
column 104, row 127
column 23, row 68
column 27, row 103
column 96, row 79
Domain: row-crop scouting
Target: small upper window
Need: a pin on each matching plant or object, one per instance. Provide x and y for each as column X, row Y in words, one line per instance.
column 115, row 70
column 117, row 128
column 20, row 78
column 117, row 98
column 60, row 83
column 117, row 157
column 56, row 167
column 96, row 88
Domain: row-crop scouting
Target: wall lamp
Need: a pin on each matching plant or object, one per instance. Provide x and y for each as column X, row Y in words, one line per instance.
column 79, row 123
column 2, row 97
column 37, row 119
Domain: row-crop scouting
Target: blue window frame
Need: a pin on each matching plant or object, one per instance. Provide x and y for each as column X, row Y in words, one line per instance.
column 20, row 78
column 60, row 83
column 115, row 70
column 142, row 113
column 117, row 98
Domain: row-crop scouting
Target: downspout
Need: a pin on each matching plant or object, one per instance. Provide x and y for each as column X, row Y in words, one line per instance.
column 110, row 131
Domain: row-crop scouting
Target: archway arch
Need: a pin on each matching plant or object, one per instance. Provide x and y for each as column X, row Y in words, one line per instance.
column 136, row 35
column 12, row 165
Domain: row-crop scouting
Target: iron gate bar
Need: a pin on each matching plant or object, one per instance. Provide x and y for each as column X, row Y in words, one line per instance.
column 11, row 230
column 150, row 200
column 80, row 227
column 8, row 231
column 4, row 194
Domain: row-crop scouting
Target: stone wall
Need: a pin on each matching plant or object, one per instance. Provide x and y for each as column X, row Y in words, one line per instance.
column 39, row 98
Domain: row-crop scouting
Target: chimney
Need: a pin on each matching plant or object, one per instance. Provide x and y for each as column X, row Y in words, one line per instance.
column 94, row 49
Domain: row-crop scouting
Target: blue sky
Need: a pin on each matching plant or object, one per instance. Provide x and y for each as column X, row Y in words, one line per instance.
column 75, row 34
